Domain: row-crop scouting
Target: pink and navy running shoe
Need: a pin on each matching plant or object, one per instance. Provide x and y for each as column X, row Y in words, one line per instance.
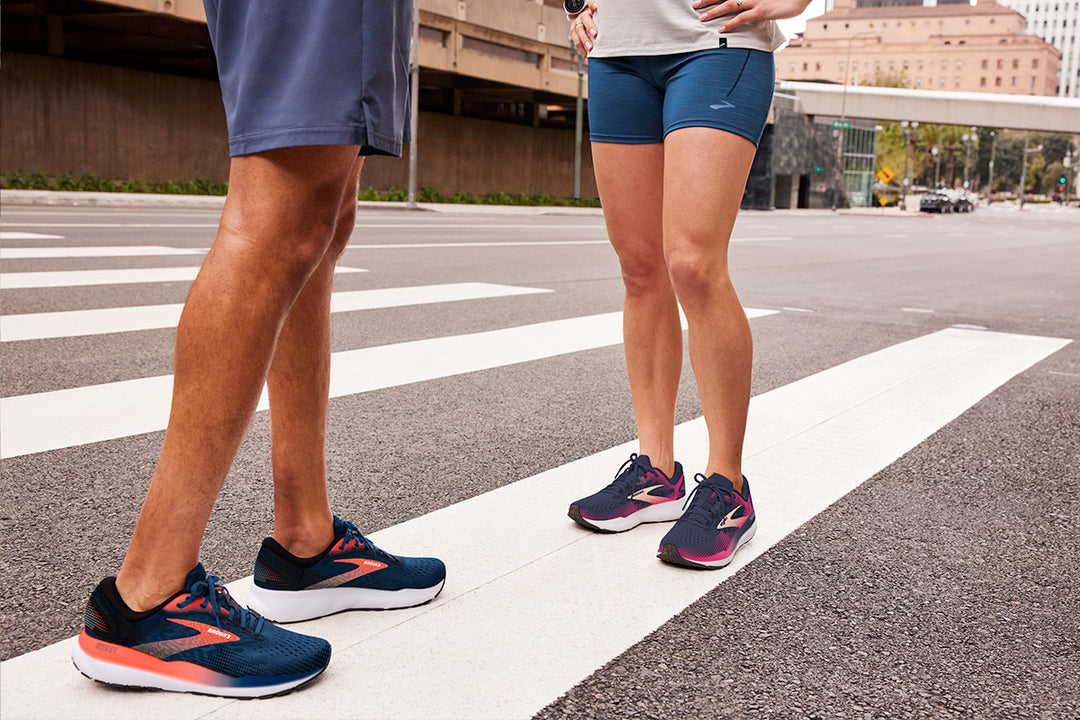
column 640, row 493
column 351, row 574
column 199, row 641
column 717, row 522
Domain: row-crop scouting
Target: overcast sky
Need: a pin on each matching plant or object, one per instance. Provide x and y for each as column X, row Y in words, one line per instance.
column 796, row 25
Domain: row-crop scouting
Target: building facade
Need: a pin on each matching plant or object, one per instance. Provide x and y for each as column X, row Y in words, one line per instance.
column 974, row 48
column 1058, row 23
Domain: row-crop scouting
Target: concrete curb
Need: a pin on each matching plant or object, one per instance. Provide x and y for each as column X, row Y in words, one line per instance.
column 216, row 202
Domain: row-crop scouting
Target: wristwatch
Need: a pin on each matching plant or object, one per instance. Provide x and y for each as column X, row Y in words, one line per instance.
column 573, row 7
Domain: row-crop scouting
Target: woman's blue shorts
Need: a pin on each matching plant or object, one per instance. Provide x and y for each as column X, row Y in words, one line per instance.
column 640, row 99
column 313, row 72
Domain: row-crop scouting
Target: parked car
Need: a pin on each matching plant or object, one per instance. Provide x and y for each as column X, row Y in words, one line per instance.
column 935, row 201
column 962, row 201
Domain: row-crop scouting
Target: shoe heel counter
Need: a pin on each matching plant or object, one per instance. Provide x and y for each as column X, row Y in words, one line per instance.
column 276, row 573
column 100, row 618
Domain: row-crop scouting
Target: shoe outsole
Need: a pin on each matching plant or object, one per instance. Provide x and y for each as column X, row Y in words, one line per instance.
column 289, row 606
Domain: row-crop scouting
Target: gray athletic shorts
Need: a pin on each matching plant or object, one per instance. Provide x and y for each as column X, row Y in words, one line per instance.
column 313, row 72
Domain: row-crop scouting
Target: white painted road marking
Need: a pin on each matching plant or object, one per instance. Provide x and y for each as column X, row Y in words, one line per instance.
column 72, row 278
column 546, row 605
column 90, row 251
column 77, row 416
column 25, row 236
column 74, row 323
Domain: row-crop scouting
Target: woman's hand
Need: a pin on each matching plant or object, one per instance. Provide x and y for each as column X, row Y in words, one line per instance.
column 583, row 29
column 745, row 11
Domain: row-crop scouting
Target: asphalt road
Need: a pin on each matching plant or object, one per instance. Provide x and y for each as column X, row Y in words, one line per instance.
column 943, row 586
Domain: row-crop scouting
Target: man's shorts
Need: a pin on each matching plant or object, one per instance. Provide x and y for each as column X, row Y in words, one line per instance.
column 640, row 99
column 313, row 72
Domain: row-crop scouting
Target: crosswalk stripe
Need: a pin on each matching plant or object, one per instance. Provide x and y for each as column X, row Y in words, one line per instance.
column 74, row 323
column 92, row 251
column 25, row 236
column 533, row 603
column 72, row 278
column 76, row 416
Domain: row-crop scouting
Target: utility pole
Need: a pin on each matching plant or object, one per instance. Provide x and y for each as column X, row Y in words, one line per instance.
column 414, row 101
column 990, row 180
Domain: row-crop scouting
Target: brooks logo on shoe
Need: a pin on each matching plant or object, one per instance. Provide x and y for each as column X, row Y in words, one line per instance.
column 731, row 523
column 362, row 567
column 645, row 495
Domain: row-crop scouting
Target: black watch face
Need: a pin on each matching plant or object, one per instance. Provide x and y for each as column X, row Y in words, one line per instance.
column 574, row 6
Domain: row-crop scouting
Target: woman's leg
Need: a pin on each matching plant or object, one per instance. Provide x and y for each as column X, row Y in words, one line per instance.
column 630, row 179
column 705, row 171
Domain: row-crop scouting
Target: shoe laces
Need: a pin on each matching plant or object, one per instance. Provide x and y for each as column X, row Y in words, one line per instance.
column 627, row 478
column 705, row 510
column 353, row 537
column 214, row 595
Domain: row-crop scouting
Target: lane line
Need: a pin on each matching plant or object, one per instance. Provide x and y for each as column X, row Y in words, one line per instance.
column 517, row 627
column 86, row 251
column 72, row 278
column 26, row 236
column 75, row 323
column 77, row 416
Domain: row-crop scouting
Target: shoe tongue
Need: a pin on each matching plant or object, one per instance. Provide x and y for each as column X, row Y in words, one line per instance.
column 718, row 481
column 643, row 461
column 196, row 574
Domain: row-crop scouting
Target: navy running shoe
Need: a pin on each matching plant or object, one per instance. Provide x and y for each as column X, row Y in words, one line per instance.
column 351, row 574
column 717, row 522
column 640, row 493
column 199, row 641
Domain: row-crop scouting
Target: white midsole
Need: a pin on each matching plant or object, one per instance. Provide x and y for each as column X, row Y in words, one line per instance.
column 660, row 512
column 116, row 674
column 295, row 605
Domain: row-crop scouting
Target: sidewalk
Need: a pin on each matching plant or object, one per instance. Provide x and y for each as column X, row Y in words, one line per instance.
column 215, row 202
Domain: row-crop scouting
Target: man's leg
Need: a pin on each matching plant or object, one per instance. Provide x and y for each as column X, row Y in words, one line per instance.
column 277, row 224
column 299, row 385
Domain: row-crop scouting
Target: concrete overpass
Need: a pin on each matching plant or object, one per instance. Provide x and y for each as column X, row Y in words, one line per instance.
column 1015, row 112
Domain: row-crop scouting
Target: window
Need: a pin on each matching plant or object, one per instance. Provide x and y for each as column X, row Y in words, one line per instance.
column 918, row 82
column 959, row 64
column 805, row 66
column 941, row 83
column 1035, row 64
column 1013, row 83
column 892, row 65
column 1016, row 63
column 982, row 81
column 841, row 66
column 1000, row 63
column 920, row 65
column 985, row 64
column 956, row 82
column 817, row 66
column 906, row 64
column 944, row 64
column 997, row 82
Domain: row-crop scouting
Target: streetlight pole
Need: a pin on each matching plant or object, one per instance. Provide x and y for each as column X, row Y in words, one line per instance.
column 578, row 123
column 937, row 166
column 1023, row 166
column 841, row 131
column 910, row 129
column 990, row 173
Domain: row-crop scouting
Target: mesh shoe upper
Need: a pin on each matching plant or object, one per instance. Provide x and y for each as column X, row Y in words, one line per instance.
column 351, row 561
column 204, row 625
column 716, row 517
column 637, row 485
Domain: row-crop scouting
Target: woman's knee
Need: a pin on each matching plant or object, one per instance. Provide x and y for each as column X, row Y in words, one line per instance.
column 697, row 275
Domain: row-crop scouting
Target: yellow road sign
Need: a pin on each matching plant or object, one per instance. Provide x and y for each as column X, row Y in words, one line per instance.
column 885, row 174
